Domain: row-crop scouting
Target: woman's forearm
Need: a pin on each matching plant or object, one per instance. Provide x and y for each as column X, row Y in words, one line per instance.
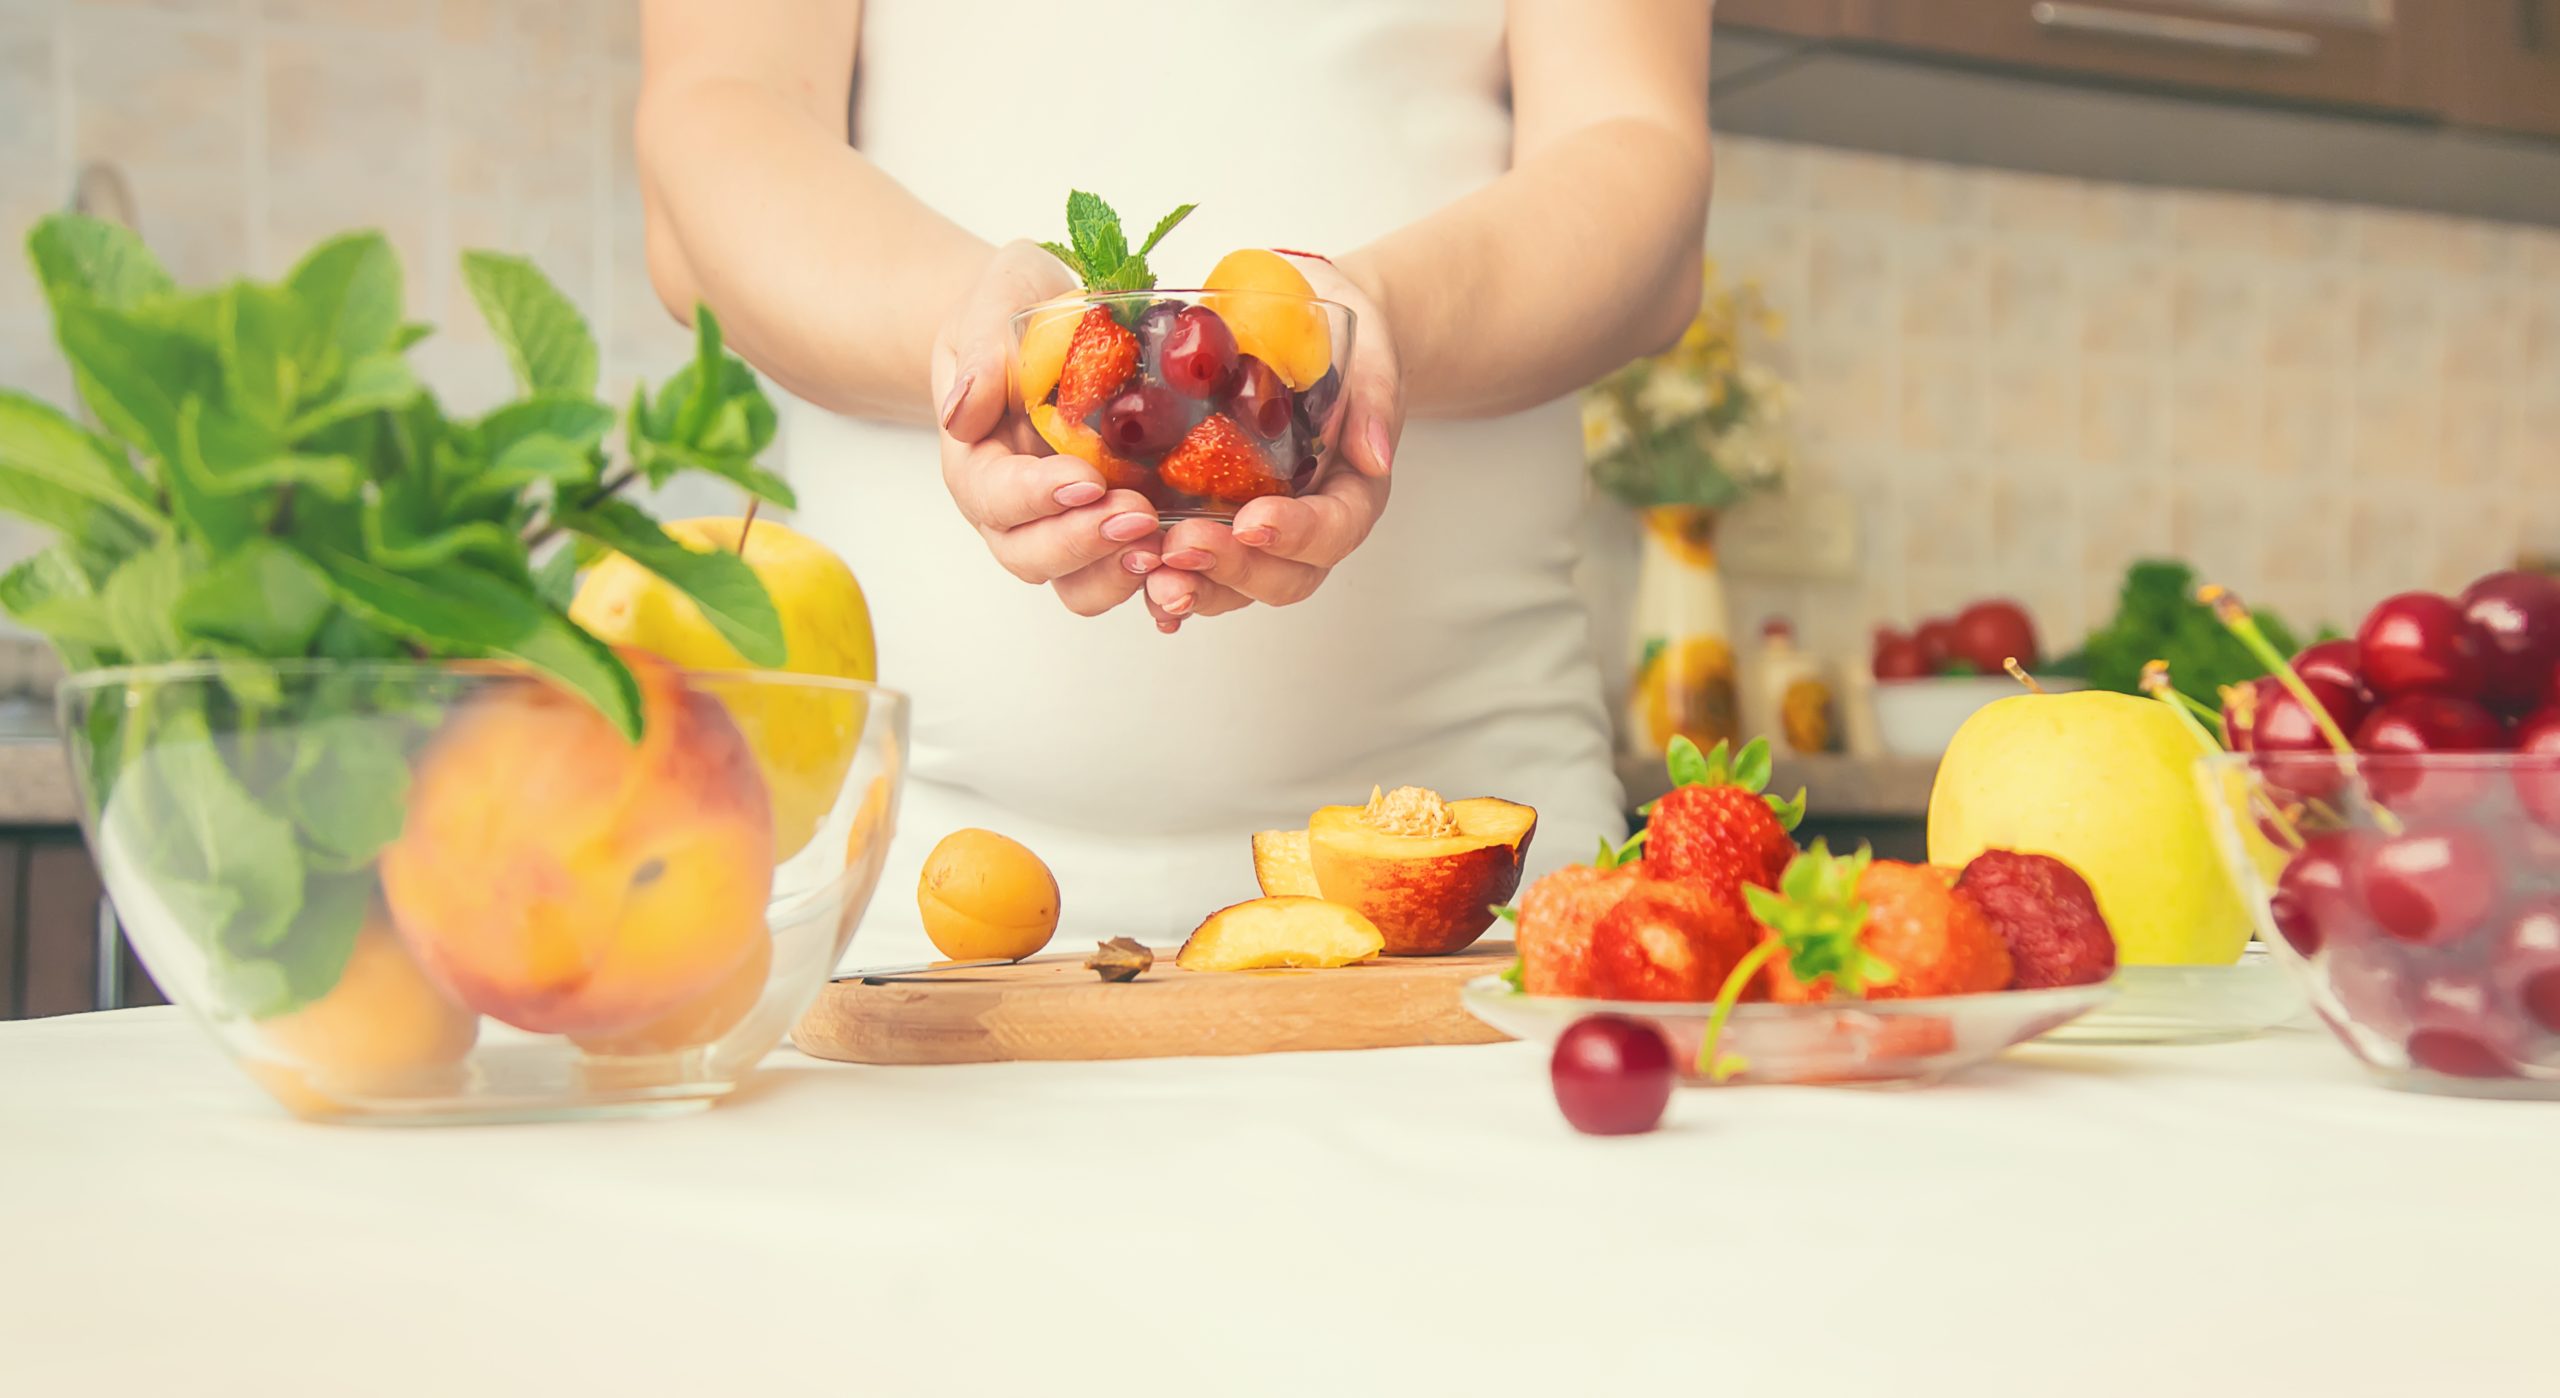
column 792, row 247
column 1585, row 255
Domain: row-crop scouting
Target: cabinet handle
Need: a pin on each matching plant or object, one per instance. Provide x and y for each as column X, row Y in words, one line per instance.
column 2105, row 22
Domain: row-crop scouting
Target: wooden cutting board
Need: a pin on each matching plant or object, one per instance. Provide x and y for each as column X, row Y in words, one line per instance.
column 1053, row 1008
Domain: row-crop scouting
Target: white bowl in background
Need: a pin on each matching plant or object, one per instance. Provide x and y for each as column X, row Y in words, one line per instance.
column 1918, row 718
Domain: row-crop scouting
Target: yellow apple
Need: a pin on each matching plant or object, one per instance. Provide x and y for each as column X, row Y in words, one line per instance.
column 804, row 740
column 2106, row 783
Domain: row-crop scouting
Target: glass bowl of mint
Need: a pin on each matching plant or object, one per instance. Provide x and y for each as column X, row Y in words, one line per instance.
column 411, row 842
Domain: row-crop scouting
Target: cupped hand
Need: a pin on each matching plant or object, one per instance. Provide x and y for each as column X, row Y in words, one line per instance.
column 1280, row 550
column 1046, row 518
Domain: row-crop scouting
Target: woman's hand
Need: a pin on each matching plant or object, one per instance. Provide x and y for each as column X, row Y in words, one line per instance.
column 1047, row 519
column 1280, row 550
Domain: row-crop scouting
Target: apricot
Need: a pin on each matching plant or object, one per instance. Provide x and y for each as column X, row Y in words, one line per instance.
column 383, row 1026
column 560, row 879
column 1277, row 320
column 1043, row 353
column 986, row 898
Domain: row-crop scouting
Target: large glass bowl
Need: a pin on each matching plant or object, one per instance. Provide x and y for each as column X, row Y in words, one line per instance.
column 2419, row 898
column 1225, row 395
column 423, row 892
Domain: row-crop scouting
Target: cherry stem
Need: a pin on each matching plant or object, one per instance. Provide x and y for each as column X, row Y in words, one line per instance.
column 2019, row 673
column 1721, row 1067
column 2155, row 682
column 2235, row 618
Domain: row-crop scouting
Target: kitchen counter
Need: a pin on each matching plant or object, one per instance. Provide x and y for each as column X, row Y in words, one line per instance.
column 2243, row 1219
column 1836, row 786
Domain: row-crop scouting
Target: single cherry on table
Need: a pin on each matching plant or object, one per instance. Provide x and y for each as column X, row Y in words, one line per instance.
column 1612, row 1075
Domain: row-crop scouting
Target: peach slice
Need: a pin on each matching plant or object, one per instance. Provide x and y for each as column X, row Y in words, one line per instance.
column 1270, row 933
column 1283, row 866
column 1428, row 872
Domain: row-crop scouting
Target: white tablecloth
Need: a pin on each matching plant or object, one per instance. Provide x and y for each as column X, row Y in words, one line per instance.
column 2250, row 1219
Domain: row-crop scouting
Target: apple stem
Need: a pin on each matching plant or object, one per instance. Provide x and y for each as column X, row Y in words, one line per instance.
column 1720, row 1067
column 748, row 526
column 2019, row 673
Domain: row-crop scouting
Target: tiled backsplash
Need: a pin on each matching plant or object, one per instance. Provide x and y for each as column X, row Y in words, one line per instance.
column 2025, row 381
column 2029, row 381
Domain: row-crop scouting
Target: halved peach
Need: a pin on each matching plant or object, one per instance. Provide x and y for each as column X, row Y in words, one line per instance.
column 1428, row 872
column 1282, row 865
column 1271, row 933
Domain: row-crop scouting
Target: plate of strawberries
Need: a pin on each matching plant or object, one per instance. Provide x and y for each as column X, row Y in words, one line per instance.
column 1762, row 962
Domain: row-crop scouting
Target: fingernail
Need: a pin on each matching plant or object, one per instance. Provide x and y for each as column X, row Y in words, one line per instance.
column 1256, row 535
column 1179, row 606
column 1079, row 493
column 1192, row 560
column 1140, row 563
column 1168, row 627
column 1382, row 450
column 959, row 395
column 1128, row 528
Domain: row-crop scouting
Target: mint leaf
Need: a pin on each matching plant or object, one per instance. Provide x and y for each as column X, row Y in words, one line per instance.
column 347, row 791
column 582, row 422
column 1068, row 255
column 82, row 258
column 1094, row 228
column 1163, row 226
column 210, row 449
column 728, row 592
column 412, row 544
column 312, row 954
column 255, row 339
column 133, row 373
column 377, row 383
column 141, row 601
column 50, row 593
column 348, row 290
column 458, row 608
column 555, row 579
column 265, row 598
column 52, row 470
column 545, row 338
column 738, row 471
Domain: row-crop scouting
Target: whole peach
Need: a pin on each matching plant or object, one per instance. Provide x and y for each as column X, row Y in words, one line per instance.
column 558, row 878
column 383, row 1027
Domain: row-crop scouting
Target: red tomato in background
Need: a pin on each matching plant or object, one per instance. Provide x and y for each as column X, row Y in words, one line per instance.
column 1899, row 657
column 1989, row 634
column 1937, row 640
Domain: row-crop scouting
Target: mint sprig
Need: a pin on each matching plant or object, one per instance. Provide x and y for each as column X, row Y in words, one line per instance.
column 273, row 482
column 1097, row 251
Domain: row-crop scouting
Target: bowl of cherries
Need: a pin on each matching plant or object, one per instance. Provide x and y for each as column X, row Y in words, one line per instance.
column 2391, row 805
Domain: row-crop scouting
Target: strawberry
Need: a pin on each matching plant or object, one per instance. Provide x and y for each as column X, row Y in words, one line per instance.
column 1912, row 926
column 1557, row 920
column 1715, row 828
column 1218, row 461
column 1669, row 941
column 1099, row 360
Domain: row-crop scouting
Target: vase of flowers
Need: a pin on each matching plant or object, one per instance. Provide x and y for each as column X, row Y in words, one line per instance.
column 1678, row 438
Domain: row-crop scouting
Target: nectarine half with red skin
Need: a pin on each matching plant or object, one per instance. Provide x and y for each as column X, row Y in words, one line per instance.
column 1428, row 872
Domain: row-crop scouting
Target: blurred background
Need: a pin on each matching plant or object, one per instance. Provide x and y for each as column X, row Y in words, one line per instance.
column 2013, row 295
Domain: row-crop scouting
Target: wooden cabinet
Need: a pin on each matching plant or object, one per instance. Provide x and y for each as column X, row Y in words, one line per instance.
column 2331, row 52
column 49, row 934
column 1813, row 19
column 2491, row 63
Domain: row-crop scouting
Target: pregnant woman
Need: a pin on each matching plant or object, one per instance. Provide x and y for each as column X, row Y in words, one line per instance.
column 1510, row 196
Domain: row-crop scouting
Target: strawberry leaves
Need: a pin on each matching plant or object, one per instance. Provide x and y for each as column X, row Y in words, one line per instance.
column 1097, row 251
column 1815, row 917
column 1748, row 769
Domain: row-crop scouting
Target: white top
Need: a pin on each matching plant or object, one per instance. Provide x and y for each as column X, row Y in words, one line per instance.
column 2250, row 1220
column 1452, row 651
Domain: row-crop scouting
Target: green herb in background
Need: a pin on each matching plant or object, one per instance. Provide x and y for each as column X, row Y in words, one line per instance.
column 2157, row 618
column 274, row 483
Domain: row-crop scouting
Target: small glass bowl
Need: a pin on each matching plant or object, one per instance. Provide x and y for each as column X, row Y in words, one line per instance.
column 423, row 893
column 2418, row 897
column 1212, row 399
column 1861, row 1041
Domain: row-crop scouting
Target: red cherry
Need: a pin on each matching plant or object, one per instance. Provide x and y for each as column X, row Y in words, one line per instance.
column 1899, row 657
column 1987, row 634
column 2430, row 886
column 2283, row 724
column 1258, row 400
column 2517, row 616
column 1146, row 421
column 1316, row 404
column 1937, row 638
column 2364, row 981
column 2537, row 765
column 1199, row 353
column 2401, row 730
column 2312, row 905
column 1612, row 1075
column 2335, row 662
column 2526, row 961
column 2456, row 1029
column 2421, row 643
column 1153, row 325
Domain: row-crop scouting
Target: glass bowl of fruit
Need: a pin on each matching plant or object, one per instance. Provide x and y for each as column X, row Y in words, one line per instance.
column 1198, row 400
column 2391, row 809
column 456, row 892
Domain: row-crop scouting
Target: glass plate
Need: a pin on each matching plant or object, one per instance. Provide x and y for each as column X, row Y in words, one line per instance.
column 1860, row 1041
column 2193, row 1004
